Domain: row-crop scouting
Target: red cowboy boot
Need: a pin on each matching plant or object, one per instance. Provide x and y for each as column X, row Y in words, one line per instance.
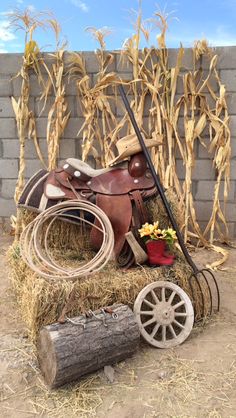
column 156, row 256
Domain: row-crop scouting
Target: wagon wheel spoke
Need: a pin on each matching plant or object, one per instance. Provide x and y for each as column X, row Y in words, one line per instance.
column 148, row 303
column 163, row 294
column 172, row 331
column 178, row 324
column 184, row 314
column 155, row 297
column 179, row 304
column 149, row 322
column 163, row 334
column 154, row 331
column 171, row 298
column 146, row 313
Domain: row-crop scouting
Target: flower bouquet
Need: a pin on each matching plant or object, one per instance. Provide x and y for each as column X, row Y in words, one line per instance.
column 158, row 241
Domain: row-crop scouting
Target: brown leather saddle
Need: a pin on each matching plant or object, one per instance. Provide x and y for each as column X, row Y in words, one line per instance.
column 120, row 191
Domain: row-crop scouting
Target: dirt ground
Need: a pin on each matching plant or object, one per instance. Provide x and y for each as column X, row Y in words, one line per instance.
column 196, row 379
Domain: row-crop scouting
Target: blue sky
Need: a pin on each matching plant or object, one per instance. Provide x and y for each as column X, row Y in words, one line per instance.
column 195, row 19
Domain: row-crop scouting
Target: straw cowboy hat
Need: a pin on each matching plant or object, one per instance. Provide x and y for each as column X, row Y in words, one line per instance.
column 129, row 145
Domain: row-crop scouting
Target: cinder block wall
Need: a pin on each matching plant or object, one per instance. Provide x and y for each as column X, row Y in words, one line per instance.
column 203, row 177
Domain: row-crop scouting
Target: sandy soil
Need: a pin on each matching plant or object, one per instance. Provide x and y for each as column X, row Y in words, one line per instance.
column 196, row 379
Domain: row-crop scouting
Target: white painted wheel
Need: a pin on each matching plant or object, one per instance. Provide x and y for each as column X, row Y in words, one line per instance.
column 164, row 314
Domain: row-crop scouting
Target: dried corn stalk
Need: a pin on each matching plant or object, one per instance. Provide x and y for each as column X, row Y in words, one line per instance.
column 99, row 118
column 156, row 83
column 24, row 116
column 58, row 115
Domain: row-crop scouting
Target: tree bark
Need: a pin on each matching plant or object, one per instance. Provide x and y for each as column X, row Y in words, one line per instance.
column 68, row 351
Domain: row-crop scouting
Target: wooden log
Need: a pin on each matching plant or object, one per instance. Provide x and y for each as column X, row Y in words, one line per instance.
column 70, row 350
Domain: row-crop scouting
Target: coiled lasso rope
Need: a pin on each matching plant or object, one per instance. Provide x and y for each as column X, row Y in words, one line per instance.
column 38, row 257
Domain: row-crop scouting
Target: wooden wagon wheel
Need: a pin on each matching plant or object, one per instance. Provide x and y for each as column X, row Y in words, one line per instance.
column 164, row 314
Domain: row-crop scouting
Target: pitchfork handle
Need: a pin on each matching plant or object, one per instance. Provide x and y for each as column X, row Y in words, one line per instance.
column 157, row 180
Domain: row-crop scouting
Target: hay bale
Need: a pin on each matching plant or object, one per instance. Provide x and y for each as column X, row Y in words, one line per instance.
column 41, row 302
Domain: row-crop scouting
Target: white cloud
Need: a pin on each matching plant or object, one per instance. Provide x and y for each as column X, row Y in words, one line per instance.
column 81, row 5
column 7, row 13
column 3, row 50
column 31, row 8
column 6, row 33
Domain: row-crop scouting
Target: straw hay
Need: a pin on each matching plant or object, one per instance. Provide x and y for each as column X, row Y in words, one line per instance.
column 42, row 302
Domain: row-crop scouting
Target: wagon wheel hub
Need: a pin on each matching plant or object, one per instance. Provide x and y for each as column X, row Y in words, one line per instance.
column 164, row 313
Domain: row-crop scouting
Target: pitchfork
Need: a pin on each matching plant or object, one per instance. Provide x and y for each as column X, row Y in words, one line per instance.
column 198, row 275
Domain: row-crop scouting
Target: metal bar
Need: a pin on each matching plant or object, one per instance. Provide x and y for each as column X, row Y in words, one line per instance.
column 157, row 180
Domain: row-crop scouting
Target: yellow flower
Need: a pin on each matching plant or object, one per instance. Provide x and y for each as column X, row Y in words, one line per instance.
column 170, row 232
column 154, row 232
column 158, row 233
column 146, row 230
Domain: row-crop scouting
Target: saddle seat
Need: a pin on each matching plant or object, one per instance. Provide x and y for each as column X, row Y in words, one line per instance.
column 83, row 170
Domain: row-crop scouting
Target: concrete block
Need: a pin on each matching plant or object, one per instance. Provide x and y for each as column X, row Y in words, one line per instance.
column 203, row 210
column 30, row 150
column 231, row 227
column 6, row 109
column 232, row 125
column 6, row 88
column 49, row 59
column 125, row 76
column 31, row 166
column 123, row 65
column 233, row 170
column 91, row 62
column 42, row 112
column 10, row 63
column 187, row 62
column 8, row 128
column 71, row 87
column 231, row 103
column 8, row 188
column 230, row 212
column 202, row 151
column 77, row 108
column 120, row 108
column 8, row 169
column 205, row 190
column 11, row 148
column 148, row 104
column 78, row 148
column 16, row 85
column 67, row 148
column 233, row 146
column 72, row 128
column 202, row 171
column 181, row 128
column 228, row 77
column 227, row 57
column 35, row 88
column 41, row 127
column 7, row 207
column 213, row 82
